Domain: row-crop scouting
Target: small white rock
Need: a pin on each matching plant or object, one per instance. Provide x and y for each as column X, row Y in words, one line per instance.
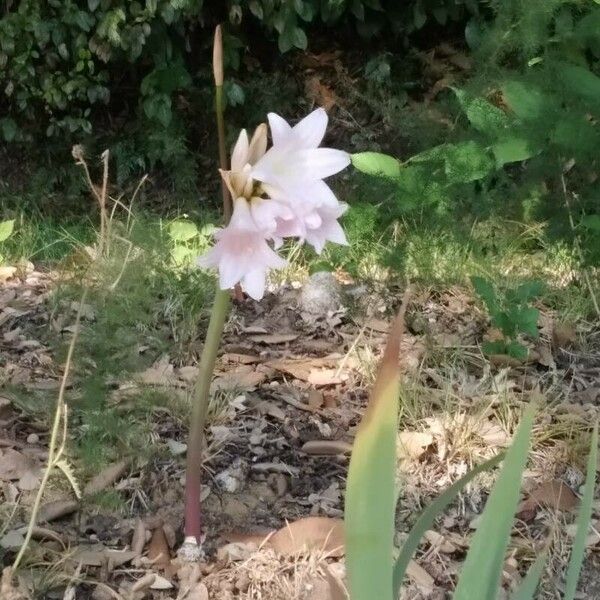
column 321, row 294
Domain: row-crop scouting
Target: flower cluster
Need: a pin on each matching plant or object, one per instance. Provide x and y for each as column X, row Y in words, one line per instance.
column 277, row 193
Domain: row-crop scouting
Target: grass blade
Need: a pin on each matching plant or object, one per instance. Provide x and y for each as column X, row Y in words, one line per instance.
column 583, row 520
column 428, row 516
column 370, row 491
column 481, row 573
column 529, row 584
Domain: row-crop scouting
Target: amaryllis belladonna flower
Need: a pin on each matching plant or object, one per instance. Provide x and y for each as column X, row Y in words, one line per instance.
column 277, row 193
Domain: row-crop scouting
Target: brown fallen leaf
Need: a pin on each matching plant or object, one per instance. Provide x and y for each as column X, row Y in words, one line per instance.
column 564, row 335
column 198, row 592
column 413, row 444
column 318, row 533
column 138, row 539
column 316, row 371
column 98, row 555
column 240, row 359
column 552, row 494
column 237, row 551
column 57, row 509
column 158, row 549
column 244, row 377
column 160, row 373
column 420, row 576
column 378, row 325
column 273, row 338
column 8, row 590
column 327, row 447
column 106, row 477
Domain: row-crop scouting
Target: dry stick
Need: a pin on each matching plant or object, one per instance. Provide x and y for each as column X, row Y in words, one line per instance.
column 104, row 222
column 577, row 245
column 193, row 524
column 52, row 454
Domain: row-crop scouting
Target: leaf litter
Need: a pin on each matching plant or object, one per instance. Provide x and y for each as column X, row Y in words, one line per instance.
column 288, row 395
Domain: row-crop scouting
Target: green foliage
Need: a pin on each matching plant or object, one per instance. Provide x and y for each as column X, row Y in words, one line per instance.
column 6, row 230
column 511, row 313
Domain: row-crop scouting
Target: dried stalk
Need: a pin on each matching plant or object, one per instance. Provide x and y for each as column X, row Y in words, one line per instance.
column 54, row 453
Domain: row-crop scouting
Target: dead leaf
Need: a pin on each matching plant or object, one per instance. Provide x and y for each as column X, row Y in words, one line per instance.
column 315, row 398
column 244, row 377
column 158, row 549
column 175, row 447
column 564, row 335
column 316, row 371
column 326, row 447
column 420, row 576
column 198, row 592
column 138, row 539
column 8, row 591
column 552, row 494
column 274, row 338
column 237, row 551
column 144, row 583
column 318, row 533
column 160, row 373
column 57, row 509
column 106, row 477
column 378, row 325
column 240, row 359
column 413, row 444
column 439, row 542
column 160, row 583
column 493, row 434
column 98, row 555
column 7, row 273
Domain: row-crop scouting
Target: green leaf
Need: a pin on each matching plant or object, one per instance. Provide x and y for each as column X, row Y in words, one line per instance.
column 428, row 516
column 370, row 490
column 376, row 163
column 9, row 129
column 516, row 350
column 483, row 115
column 591, row 222
column 580, row 81
column 526, row 320
column 583, row 520
column 496, row 347
column 6, row 229
column 510, row 150
column 182, row 231
column 528, row 291
column 528, row 586
column 299, row 38
column 485, row 290
column 528, row 102
column 466, row 162
column 482, row 569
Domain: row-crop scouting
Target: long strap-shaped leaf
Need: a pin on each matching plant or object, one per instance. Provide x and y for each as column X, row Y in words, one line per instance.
column 583, row 520
column 530, row 582
column 370, row 491
column 481, row 573
column 428, row 516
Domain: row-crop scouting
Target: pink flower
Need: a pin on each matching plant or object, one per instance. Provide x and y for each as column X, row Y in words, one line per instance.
column 242, row 254
column 278, row 193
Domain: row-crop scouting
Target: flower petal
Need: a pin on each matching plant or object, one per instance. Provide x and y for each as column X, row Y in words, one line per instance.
column 239, row 156
column 254, row 283
column 280, row 130
column 309, row 132
column 258, row 144
column 318, row 163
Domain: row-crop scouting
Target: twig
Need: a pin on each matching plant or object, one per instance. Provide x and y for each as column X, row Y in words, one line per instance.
column 577, row 245
column 53, row 454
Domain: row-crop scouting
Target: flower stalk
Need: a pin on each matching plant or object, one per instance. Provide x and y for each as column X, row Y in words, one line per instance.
column 220, row 309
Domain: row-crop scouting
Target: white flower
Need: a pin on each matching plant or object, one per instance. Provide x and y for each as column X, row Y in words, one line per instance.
column 295, row 159
column 242, row 253
column 277, row 193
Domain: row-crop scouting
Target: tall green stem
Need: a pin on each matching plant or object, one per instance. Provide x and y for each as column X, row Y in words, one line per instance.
column 193, row 525
column 220, row 309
